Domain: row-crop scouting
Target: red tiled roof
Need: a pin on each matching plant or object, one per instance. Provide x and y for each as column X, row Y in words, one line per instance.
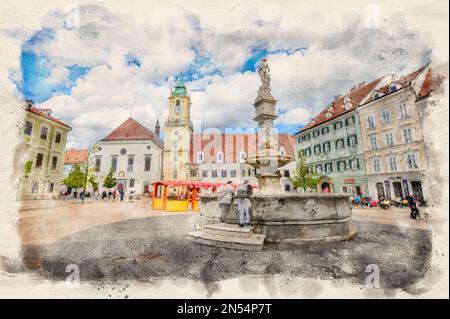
column 73, row 156
column 358, row 94
column 42, row 112
column 231, row 145
column 337, row 107
column 133, row 130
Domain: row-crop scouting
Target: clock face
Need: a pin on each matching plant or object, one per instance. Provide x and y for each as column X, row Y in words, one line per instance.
column 178, row 109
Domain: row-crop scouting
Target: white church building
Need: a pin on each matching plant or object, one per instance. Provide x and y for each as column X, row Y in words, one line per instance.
column 133, row 152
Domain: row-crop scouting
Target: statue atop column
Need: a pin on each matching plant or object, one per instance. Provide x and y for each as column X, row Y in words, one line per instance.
column 264, row 90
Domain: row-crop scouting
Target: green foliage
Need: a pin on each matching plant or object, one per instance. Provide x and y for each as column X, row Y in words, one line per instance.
column 75, row 178
column 28, row 166
column 93, row 182
column 303, row 178
column 109, row 181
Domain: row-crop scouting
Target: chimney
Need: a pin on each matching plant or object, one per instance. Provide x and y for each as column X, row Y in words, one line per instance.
column 157, row 127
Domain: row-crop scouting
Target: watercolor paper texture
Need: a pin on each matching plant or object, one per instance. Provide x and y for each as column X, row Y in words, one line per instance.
column 181, row 67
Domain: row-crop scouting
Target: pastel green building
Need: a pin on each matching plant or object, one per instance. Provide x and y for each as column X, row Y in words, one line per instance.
column 332, row 144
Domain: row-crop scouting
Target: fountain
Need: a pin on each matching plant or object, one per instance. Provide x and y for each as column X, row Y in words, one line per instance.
column 276, row 216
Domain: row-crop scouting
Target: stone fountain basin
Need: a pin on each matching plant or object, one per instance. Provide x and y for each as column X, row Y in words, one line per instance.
column 289, row 217
column 262, row 160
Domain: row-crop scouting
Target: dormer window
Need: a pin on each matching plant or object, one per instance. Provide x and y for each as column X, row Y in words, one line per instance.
column 376, row 95
column 282, row 151
column 220, row 157
column 392, row 88
column 242, row 156
column 200, row 157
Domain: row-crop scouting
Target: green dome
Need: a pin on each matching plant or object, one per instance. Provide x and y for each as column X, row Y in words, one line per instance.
column 180, row 89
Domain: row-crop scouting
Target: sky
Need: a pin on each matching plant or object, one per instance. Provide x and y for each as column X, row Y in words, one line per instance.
column 96, row 64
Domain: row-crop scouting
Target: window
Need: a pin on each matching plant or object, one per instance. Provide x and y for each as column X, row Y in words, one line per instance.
column 316, row 133
column 306, row 137
column 204, row 173
column 375, row 95
column 376, row 165
column 132, row 182
column 282, row 151
column 326, row 147
column 340, row 143
column 220, row 157
column 354, row 163
column 392, row 160
column 319, row 168
column 392, row 88
column 34, row 187
column 200, row 157
column 337, row 125
column 249, row 172
column 54, row 162
column 214, row 173
column 28, row 127
column 193, row 173
column 325, row 130
column 58, row 138
column 98, row 162
column 130, row 163
column 405, row 186
column 403, row 111
column 352, row 140
column 114, row 163
column 44, row 132
column 233, row 173
column 317, row 149
column 39, row 159
column 387, row 186
column 177, row 103
column 407, row 136
column 389, row 139
column 386, row 116
column 341, row 166
column 328, row 167
column 223, row 173
column 242, row 156
column 123, row 151
column 287, row 188
column 373, row 142
column 370, row 122
column 350, row 121
column 51, row 187
column 286, row 173
column 411, row 161
column 344, row 189
column 308, row 152
column 148, row 162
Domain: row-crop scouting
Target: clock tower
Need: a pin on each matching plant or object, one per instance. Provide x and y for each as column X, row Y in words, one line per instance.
column 177, row 134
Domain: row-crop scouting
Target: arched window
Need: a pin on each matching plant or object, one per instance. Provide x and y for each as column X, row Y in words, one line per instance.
column 282, row 151
column 200, row 157
column 220, row 157
column 242, row 156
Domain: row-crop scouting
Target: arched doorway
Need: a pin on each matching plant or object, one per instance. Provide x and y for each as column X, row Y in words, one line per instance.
column 325, row 187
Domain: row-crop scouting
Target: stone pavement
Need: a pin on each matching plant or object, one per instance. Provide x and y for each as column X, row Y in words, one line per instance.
column 127, row 241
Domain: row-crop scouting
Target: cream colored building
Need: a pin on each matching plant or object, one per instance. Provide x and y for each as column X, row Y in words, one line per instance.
column 177, row 135
column 44, row 144
column 392, row 136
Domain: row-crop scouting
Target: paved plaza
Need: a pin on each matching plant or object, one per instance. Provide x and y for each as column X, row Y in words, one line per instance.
column 111, row 241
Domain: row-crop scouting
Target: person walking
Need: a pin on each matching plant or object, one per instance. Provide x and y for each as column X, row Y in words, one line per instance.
column 82, row 196
column 243, row 193
column 96, row 194
column 412, row 203
column 225, row 198
column 122, row 193
column 114, row 194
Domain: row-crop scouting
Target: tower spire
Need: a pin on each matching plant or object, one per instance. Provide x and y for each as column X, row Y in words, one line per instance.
column 157, row 127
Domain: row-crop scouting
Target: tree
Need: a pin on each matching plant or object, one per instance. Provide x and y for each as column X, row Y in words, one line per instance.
column 28, row 166
column 303, row 177
column 93, row 182
column 109, row 181
column 75, row 178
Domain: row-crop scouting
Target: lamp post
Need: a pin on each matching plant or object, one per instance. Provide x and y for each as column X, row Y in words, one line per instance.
column 86, row 173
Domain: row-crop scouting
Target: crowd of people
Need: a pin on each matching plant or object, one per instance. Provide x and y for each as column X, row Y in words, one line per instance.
column 411, row 201
column 116, row 194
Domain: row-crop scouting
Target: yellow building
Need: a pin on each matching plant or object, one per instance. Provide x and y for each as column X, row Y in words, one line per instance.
column 177, row 135
column 392, row 136
column 42, row 153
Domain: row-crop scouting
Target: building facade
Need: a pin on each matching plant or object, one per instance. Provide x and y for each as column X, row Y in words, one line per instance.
column 392, row 136
column 44, row 143
column 332, row 144
column 133, row 153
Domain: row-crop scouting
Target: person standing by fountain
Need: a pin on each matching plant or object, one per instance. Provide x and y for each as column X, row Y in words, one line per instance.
column 225, row 198
column 243, row 193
